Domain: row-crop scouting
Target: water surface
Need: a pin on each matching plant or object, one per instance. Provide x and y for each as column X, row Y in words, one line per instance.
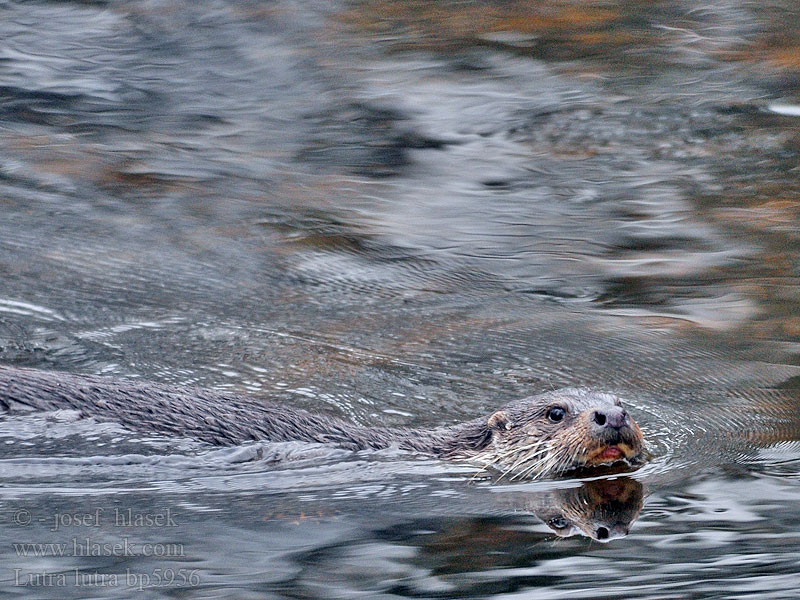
column 403, row 213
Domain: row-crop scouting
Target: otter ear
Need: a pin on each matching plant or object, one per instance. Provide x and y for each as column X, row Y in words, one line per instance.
column 499, row 420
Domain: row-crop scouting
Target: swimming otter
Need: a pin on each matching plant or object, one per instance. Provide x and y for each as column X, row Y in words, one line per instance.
column 538, row 436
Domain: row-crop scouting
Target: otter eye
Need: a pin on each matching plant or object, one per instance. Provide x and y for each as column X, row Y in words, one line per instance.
column 558, row 523
column 556, row 413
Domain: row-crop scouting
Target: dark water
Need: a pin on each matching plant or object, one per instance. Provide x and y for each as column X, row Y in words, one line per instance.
column 403, row 213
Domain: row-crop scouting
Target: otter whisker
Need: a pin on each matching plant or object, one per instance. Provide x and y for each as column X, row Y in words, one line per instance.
column 520, row 460
column 515, row 451
column 536, row 448
column 486, row 465
column 556, row 462
column 538, row 465
column 500, row 456
column 539, row 454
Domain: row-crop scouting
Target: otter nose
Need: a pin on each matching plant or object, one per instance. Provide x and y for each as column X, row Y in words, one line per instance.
column 615, row 417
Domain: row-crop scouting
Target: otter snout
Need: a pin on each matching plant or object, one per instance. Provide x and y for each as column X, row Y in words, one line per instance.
column 614, row 427
column 614, row 417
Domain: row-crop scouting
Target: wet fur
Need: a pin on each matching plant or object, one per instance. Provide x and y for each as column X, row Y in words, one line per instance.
column 517, row 440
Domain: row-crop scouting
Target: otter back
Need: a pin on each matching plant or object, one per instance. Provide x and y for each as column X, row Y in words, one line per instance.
column 215, row 417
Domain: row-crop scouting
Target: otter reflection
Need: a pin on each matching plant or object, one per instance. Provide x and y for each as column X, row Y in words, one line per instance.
column 600, row 509
column 479, row 557
column 603, row 509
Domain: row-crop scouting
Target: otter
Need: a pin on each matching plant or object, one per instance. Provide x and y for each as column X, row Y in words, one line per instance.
column 540, row 436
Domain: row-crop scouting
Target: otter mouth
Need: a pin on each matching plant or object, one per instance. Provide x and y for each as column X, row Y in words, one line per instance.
column 614, row 453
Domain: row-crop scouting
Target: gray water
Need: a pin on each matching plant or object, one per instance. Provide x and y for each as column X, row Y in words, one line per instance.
column 403, row 213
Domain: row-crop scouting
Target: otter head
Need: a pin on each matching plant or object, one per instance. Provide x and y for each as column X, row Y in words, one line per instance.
column 560, row 431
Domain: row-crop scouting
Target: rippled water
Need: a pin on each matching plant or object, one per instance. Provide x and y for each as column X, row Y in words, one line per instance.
column 403, row 213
